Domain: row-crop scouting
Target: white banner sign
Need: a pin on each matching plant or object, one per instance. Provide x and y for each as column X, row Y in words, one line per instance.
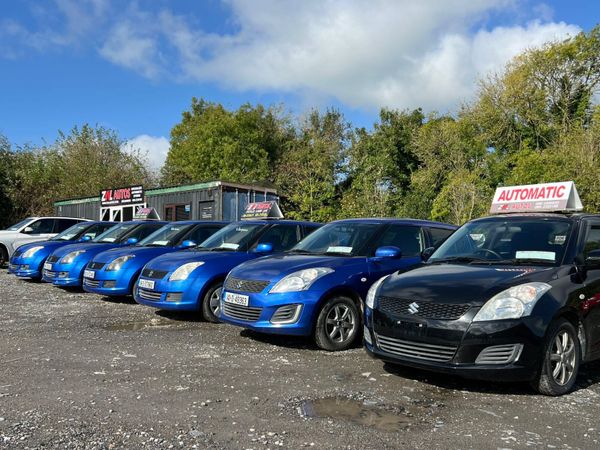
column 544, row 197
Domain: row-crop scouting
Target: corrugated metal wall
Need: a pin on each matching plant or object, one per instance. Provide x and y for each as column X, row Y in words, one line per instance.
column 88, row 210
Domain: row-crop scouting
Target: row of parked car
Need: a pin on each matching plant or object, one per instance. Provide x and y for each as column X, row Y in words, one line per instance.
column 506, row 297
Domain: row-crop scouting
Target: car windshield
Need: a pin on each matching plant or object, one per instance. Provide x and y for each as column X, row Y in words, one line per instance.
column 236, row 236
column 507, row 241
column 72, row 233
column 165, row 236
column 21, row 224
column 115, row 233
column 341, row 239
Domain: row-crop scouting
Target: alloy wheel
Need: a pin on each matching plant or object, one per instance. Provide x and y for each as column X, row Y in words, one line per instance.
column 562, row 358
column 340, row 323
column 215, row 301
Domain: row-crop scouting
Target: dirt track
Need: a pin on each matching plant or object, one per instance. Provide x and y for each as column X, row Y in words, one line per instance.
column 80, row 371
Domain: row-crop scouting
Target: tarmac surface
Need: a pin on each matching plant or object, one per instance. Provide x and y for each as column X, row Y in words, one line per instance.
column 83, row 371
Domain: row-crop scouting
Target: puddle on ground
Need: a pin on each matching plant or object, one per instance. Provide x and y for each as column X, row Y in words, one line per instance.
column 151, row 324
column 356, row 412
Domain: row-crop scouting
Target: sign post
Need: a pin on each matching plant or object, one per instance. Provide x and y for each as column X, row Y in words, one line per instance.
column 130, row 195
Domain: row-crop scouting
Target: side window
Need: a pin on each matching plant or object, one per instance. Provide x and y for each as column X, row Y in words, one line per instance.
column 143, row 231
column 438, row 235
column 409, row 239
column 592, row 239
column 200, row 234
column 62, row 224
column 41, row 226
column 282, row 237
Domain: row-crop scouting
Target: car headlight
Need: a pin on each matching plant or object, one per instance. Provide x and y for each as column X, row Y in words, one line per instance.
column 184, row 271
column 70, row 257
column 370, row 302
column 32, row 251
column 513, row 303
column 299, row 281
column 118, row 263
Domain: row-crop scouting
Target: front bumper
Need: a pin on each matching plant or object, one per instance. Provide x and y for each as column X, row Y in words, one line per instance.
column 109, row 283
column 171, row 295
column 509, row 350
column 25, row 268
column 64, row 275
column 259, row 314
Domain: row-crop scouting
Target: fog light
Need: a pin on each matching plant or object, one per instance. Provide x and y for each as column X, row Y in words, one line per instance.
column 286, row 314
column 174, row 296
column 109, row 284
column 367, row 335
column 63, row 274
column 25, row 267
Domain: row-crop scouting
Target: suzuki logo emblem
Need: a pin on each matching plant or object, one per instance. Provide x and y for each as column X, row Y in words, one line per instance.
column 413, row 308
column 150, row 274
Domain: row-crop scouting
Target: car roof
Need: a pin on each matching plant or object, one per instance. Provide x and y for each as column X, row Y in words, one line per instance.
column 195, row 222
column 401, row 220
column 58, row 217
column 540, row 215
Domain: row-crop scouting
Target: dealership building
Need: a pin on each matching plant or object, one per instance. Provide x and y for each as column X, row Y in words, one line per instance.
column 213, row 200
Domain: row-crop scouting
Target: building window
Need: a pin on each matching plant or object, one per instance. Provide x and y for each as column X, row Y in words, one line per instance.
column 177, row 212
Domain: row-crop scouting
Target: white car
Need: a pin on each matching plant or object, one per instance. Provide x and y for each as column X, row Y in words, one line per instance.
column 32, row 229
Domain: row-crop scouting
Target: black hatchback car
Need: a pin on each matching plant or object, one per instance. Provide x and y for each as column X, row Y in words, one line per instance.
column 509, row 297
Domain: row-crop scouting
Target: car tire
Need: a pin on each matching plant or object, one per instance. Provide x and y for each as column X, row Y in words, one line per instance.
column 562, row 357
column 338, row 324
column 3, row 256
column 210, row 309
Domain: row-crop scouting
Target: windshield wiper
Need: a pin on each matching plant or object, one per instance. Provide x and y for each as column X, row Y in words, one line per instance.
column 464, row 259
column 302, row 252
column 524, row 261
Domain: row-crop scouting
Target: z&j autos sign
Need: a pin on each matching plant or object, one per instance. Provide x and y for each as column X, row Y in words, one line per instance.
column 561, row 196
column 122, row 196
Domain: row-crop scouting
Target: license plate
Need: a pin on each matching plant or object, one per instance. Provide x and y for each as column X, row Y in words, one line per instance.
column 236, row 299
column 47, row 266
column 411, row 330
column 89, row 274
column 146, row 284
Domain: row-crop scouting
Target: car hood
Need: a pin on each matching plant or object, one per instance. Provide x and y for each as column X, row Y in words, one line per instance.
column 457, row 283
column 144, row 253
column 171, row 261
column 90, row 248
column 47, row 245
column 10, row 234
column 276, row 266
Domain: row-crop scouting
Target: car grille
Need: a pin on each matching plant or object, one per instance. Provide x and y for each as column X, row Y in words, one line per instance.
column 499, row 354
column 91, row 283
column 248, row 313
column 52, row 259
column 251, row 286
column 426, row 310
column 416, row 350
column 156, row 274
column 149, row 295
column 95, row 265
column 49, row 274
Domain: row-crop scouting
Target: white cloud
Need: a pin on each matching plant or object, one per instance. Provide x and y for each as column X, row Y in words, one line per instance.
column 156, row 148
column 400, row 54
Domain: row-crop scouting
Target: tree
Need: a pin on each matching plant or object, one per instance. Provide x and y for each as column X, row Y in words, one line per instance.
column 379, row 165
column 213, row 143
column 309, row 169
column 6, row 171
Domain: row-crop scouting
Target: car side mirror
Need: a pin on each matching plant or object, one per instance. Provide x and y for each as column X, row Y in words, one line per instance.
column 388, row 252
column 86, row 238
column 27, row 230
column 264, row 247
column 188, row 244
column 426, row 254
column 131, row 241
column 592, row 259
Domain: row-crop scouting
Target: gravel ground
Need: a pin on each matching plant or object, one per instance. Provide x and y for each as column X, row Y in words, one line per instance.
column 82, row 371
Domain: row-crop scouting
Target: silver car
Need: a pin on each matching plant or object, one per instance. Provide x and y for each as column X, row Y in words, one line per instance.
column 32, row 229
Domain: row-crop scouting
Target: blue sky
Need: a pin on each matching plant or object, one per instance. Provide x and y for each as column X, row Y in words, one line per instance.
column 134, row 66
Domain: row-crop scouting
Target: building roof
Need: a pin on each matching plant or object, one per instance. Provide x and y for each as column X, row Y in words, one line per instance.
column 174, row 189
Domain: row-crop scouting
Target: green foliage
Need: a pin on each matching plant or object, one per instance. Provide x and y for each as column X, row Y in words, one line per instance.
column 212, row 143
column 309, row 167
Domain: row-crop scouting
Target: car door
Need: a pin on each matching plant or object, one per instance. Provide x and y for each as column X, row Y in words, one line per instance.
column 410, row 239
column 588, row 292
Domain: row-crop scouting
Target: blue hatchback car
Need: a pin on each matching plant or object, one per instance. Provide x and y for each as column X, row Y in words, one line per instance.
column 115, row 271
column 191, row 280
column 28, row 260
column 318, row 287
column 65, row 266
